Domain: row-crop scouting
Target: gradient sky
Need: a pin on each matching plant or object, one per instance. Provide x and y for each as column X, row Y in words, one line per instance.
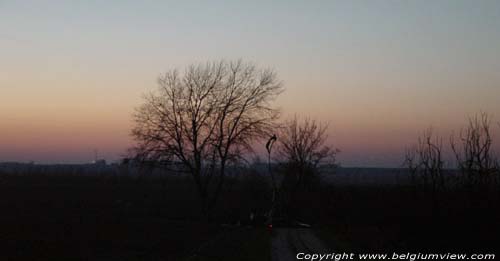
column 71, row 72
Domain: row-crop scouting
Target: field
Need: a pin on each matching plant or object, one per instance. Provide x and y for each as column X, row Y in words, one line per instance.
column 48, row 217
column 102, row 218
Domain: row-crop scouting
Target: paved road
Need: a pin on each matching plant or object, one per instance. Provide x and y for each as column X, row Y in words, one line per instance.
column 287, row 242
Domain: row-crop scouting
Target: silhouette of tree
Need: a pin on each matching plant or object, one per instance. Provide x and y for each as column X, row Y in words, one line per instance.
column 303, row 143
column 425, row 161
column 426, row 165
column 206, row 119
column 474, row 154
column 302, row 146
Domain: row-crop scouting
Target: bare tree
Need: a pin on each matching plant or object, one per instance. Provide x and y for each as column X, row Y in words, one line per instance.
column 474, row 154
column 302, row 146
column 411, row 162
column 206, row 119
column 426, row 165
column 425, row 161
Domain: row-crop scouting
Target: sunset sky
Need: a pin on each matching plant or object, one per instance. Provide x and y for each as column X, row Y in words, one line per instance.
column 71, row 72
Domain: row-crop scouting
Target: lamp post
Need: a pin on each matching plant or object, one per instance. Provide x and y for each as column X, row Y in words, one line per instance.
column 269, row 146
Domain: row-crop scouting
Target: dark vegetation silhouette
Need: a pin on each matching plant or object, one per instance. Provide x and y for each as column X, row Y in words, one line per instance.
column 464, row 197
column 302, row 148
column 426, row 167
column 474, row 155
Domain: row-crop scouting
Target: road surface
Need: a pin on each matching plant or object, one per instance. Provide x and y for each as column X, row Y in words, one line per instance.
column 287, row 242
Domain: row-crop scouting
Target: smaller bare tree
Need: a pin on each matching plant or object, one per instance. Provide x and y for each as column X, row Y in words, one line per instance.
column 426, row 165
column 474, row 154
column 302, row 146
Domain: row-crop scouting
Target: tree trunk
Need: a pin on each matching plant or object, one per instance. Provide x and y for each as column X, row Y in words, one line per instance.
column 218, row 189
